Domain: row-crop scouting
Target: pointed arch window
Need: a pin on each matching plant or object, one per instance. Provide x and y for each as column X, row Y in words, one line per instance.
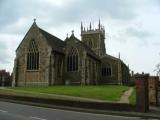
column 106, row 70
column 72, row 60
column 33, row 56
column 90, row 43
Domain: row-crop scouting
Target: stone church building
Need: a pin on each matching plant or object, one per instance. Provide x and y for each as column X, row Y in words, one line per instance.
column 44, row 59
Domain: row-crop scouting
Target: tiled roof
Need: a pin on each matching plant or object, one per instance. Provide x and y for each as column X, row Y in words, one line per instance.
column 89, row 50
column 109, row 56
column 56, row 43
column 113, row 58
column 85, row 46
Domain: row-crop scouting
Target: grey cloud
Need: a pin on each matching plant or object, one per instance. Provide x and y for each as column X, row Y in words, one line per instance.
column 11, row 12
column 2, row 45
column 156, row 2
column 132, row 33
column 138, row 34
column 135, row 32
column 72, row 11
column 1, row 2
column 156, row 43
column 4, row 57
column 116, row 9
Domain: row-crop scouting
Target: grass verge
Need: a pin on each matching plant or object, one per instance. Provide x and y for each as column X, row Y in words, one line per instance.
column 132, row 97
column 105, row 92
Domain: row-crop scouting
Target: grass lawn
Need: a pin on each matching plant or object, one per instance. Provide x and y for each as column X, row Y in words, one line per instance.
column 104, row 92
column 132, row 98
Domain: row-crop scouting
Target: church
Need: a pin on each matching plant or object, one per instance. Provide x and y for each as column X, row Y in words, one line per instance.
column 44, row 59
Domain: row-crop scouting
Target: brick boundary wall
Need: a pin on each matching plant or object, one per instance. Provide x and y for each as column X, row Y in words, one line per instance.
column 142, row 99
column 153, row 90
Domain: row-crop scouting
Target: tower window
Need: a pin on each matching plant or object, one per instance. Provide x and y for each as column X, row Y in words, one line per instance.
column 33, row 56
column 72, row 60
column 90, row 44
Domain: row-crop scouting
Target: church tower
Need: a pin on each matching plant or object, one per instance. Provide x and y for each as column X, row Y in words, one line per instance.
column 94, row 38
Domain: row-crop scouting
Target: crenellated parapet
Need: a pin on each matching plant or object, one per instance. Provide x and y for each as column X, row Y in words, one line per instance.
column 91, row 30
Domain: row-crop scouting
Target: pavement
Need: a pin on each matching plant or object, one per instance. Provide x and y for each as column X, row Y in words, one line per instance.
column 13, row 111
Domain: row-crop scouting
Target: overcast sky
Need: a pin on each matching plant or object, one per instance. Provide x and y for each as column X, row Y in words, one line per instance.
column 132, row 26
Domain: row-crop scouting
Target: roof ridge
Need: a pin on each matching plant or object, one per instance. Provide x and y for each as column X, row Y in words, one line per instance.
column 49, row 34
column 56, row 43
column 33, row 25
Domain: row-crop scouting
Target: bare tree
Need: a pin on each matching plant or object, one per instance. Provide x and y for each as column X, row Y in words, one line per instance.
column 158, row 69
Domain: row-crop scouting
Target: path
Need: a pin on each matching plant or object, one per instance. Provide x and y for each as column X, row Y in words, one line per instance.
column 125, row 96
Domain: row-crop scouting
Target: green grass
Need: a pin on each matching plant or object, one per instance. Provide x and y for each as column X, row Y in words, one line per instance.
column 132, row 97
column 105, row 92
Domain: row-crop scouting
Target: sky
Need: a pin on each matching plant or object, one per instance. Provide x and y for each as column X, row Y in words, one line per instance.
column 132, row 26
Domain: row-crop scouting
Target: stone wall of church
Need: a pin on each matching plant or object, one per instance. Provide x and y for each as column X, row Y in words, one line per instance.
column 92, row 71
column 113, row 78
column 119, row 72
column 87, row 66
column 45, row 53
column 35, row 77
column 56, row 69
column 73, row 77
column 125, row 74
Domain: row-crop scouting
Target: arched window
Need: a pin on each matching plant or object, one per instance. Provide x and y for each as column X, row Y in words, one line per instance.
column 106, row 70
column 72, row 60
column 90, row 44
column 33, row 56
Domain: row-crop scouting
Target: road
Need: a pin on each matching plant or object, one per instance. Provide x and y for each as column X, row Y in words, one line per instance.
column 12, row 111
